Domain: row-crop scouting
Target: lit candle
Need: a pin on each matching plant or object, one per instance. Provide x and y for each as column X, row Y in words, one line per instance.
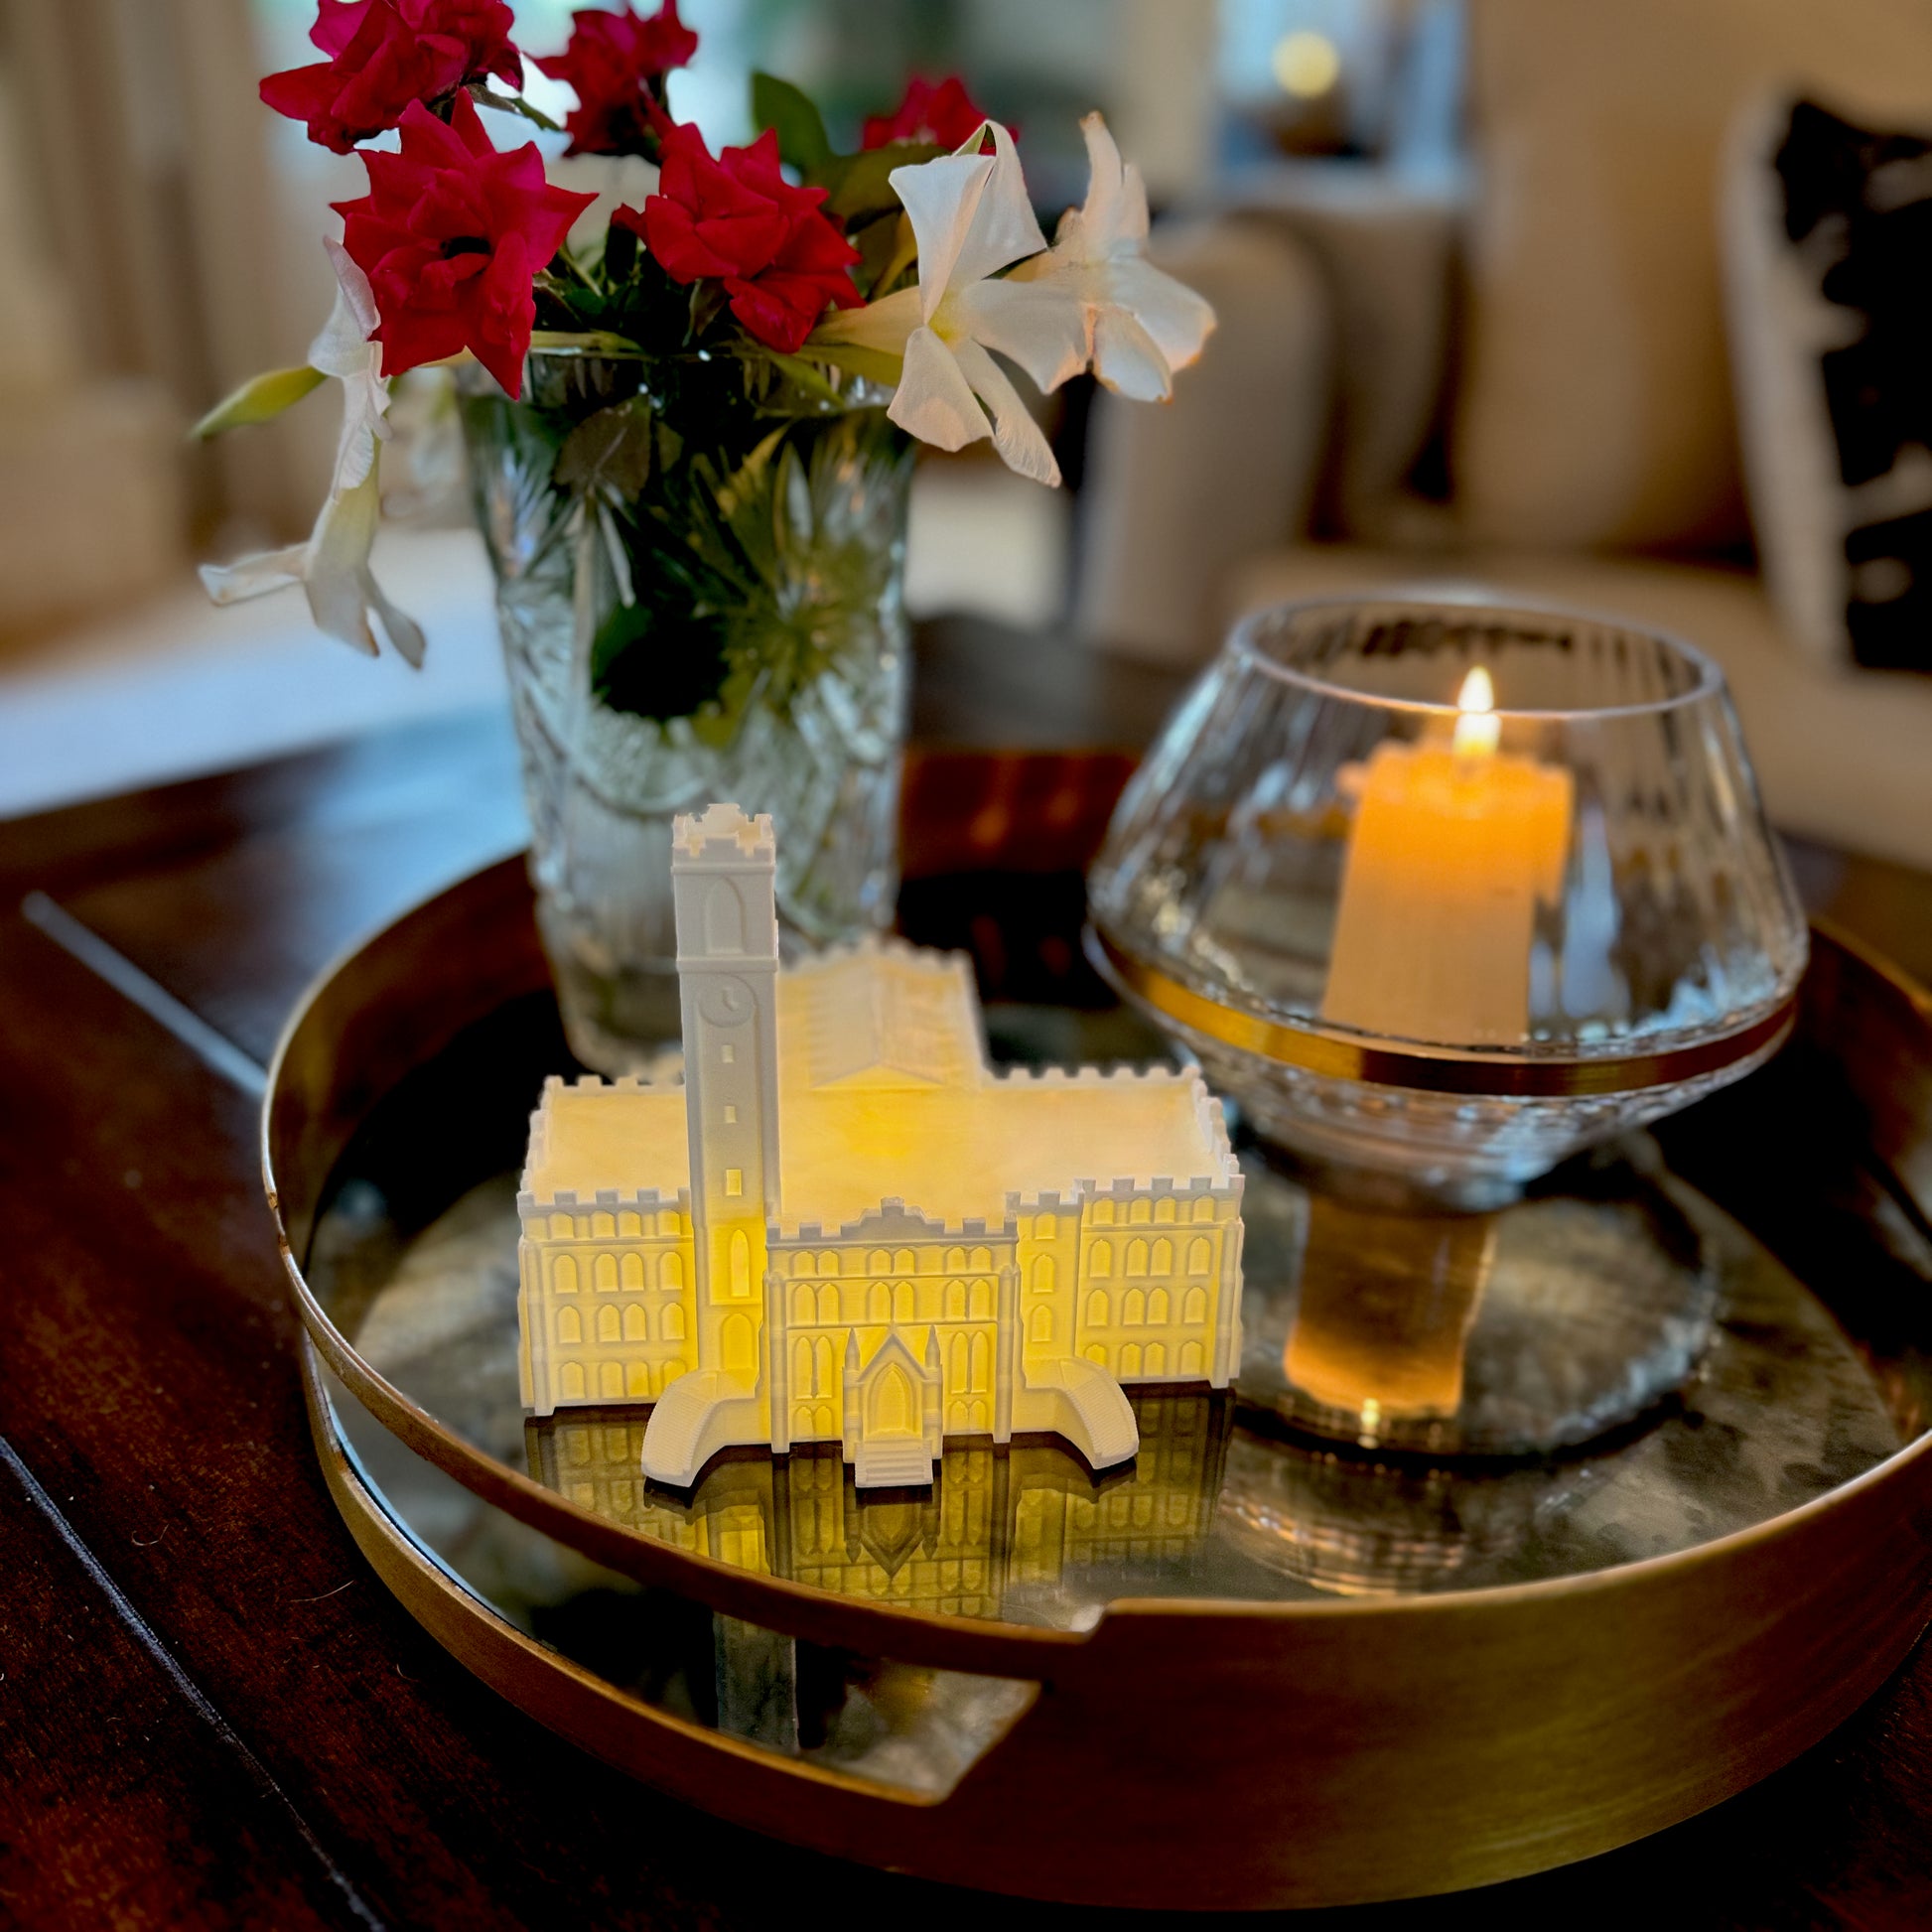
column 1454, row 843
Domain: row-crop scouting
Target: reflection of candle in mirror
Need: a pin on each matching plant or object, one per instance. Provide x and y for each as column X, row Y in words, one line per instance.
column 1383, row 1310
column 1454, row 843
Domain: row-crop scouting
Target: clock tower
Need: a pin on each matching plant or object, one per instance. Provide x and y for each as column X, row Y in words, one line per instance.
column 724, row 868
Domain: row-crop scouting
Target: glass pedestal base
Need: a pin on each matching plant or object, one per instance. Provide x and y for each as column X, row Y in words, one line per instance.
column 1398, row 1325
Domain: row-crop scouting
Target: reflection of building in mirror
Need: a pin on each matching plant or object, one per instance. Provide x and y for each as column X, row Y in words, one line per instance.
column 993, row 1520
column 845, row 1226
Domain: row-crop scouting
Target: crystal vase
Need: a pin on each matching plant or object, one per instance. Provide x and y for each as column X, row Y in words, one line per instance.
column 699, row 570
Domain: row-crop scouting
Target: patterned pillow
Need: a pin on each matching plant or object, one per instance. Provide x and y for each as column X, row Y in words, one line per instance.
column 1828, row 255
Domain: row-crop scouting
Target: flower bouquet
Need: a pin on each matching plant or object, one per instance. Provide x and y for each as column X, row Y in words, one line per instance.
column 689, row 412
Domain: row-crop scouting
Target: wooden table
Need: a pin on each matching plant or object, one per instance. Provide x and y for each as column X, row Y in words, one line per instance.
column 211, row 1713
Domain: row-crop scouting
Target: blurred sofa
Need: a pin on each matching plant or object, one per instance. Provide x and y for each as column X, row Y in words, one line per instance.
column 1540, row 327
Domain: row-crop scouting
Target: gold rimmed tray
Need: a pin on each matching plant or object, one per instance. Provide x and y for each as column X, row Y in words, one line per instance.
column 1242, row 1673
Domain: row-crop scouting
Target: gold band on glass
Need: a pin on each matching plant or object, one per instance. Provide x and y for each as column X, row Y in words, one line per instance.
column 1439, row 1069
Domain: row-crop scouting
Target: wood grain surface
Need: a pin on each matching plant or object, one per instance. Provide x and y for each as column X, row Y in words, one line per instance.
column 211, row 1713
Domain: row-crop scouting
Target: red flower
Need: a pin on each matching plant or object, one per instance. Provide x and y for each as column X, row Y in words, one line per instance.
column 385, row 53
column 612, row 61
column 452, row 234
column 943, row 116
column 738, row 219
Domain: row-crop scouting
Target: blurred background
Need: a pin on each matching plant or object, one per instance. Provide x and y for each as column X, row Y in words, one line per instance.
column 1511, row 296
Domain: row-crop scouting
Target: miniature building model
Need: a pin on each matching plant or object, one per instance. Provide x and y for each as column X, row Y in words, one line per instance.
column 844, row 1226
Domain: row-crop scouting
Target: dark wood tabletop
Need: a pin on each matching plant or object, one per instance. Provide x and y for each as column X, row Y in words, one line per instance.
column 210, row 1710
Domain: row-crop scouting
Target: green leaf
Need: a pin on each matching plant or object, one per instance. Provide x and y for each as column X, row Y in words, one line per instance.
column 874, row 364
column 800, row 128
column 259, row 400
column 609, row 451
column 860, row 184
column 804, row 376
column 655, row 664
column 512, row 105
column 887, row 247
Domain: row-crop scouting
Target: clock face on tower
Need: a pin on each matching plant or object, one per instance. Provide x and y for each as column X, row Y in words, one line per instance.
column 725, row 1001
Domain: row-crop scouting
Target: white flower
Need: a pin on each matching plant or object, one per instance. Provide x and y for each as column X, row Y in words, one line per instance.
column 971, row 218
column 1141, row 325
column 332, row 566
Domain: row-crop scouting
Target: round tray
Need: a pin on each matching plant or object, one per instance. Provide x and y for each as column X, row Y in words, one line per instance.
column 1244, row 1672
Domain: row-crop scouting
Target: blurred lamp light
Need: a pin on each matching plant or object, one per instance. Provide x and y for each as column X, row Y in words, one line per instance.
column 1307, row 65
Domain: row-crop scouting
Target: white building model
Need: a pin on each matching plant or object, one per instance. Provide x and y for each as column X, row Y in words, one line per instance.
column 845, row 1226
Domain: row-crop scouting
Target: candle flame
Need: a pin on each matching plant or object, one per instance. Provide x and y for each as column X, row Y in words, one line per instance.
column 1477, row 727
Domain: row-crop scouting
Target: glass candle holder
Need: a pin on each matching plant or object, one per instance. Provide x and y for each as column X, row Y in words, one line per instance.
column 1450, row 890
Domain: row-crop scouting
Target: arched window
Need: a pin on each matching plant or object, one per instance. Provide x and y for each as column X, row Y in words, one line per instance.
column 635, row 1326
column 671, row 1273
column 1043, row 1324
column 828, row 1303
column 740, row 1265
column 1193, row 1311
column 906, row 1262
column 724, row 918
column 1103, row 1214
column 1046, row 1227
column 955, row 1300
column 1134, row 1312
column 828, row 1264
column 956, row 1260
column 1137, row 1257
column 572, row 1381
column 1130, row 1361
column 609, row 1381
column 982, row 1258
column 1096, row 1352
column 1098, row 1313
column 636, row 1380
column 1204, row 1208
column 878, row 1303
column 823, row 1382
column 903, row 1301
column 563, row 1274
column 802, row 1306
column 1100, row 1257
column 1043, row 1273
column 1157, row 1309
column 604, row 1270
column 1163, row 1261
column 628, row 1225
column 570, row 1326
column 982, row 1366
column 602, row 1226
column 737, row 1345
column 1200, row 1256
column 608, row 1326
column 878, row 1262
column 1156, row 1358
column 961, row 1364
column 802, row 1366
column 982, row 1302
column 562, row 1226
column 673, row 1370
column 1136, row 1211
column 801, row 1266
column 631, row 1270
column 1190, row 1360
column 1163, row 1208
column 673, row 1324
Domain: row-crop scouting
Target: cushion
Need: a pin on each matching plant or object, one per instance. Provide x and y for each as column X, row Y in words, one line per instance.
column 1595, row 406
column 1840, row 758
column 1828, row 254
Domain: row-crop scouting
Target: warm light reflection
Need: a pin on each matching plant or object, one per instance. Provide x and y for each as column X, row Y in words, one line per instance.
column 1477, row 727
column 1307, row 65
